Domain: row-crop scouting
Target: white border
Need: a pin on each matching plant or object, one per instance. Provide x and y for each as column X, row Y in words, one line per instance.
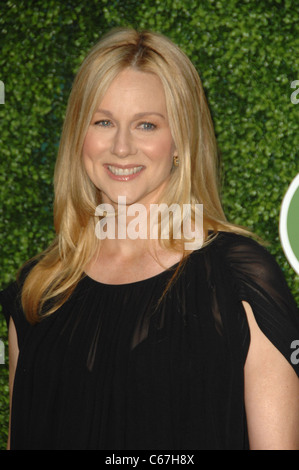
column 284, row 237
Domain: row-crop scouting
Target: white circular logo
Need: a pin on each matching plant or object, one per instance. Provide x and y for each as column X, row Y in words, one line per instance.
column 289, row 224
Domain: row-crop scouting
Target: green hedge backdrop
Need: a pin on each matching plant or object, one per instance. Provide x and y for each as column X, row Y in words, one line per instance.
column 247, row 53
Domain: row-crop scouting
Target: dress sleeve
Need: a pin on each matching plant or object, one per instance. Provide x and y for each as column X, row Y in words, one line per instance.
column 11, row 307
column 260, row 282
column 10, row 299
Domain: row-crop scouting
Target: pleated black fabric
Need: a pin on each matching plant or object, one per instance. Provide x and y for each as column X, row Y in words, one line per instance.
column 111, row 370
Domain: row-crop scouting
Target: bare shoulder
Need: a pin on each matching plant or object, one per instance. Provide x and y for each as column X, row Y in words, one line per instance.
column 271, row 394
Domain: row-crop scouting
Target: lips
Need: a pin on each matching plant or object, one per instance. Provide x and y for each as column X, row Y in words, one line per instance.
column 123, row 173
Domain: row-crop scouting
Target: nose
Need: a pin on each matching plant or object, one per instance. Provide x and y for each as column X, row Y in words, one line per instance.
column 123, row 144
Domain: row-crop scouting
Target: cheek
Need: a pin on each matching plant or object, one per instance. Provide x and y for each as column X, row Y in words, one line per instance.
column 90, row 155
column 90, row 146
column 161, row 152
column 87, row 156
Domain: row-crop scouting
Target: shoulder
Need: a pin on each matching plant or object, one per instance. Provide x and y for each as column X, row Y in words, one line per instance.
column 246, row 257
column 10, row 300
column 259, row 281
column 231, row 244
column 252, row 266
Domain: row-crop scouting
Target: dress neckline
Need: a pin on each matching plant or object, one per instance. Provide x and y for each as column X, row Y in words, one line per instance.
column 141, row 281
column 127, row 284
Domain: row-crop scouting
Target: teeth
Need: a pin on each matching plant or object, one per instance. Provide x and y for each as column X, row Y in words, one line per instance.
column 124, row 172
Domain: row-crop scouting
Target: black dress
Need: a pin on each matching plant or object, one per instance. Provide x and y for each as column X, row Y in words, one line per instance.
column 111, row 371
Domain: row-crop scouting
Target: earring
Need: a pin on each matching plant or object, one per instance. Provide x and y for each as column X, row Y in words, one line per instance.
column 176, row 160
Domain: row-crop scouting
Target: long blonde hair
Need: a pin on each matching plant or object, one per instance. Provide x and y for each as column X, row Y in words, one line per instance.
column 60, row 267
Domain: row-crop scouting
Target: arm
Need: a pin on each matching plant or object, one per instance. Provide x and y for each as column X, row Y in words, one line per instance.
column 271, row 394
column 13, row 358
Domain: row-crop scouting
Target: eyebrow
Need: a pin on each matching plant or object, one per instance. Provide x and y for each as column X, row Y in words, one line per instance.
column 136, row 116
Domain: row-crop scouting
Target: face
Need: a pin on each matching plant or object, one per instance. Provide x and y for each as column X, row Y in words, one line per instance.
column 128, row 149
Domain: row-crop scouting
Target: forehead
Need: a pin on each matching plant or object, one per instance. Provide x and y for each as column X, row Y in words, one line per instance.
column 135, row 87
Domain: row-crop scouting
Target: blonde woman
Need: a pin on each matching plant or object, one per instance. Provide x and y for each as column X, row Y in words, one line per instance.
column 139, row 342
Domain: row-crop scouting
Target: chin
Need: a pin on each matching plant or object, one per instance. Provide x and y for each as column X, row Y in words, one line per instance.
column 121, row 199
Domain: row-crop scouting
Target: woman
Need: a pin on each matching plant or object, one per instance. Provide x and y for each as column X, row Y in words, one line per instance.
column 119, row 342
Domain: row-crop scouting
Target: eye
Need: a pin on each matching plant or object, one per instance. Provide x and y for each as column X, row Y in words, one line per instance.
column 147, row 126
column 103, row 123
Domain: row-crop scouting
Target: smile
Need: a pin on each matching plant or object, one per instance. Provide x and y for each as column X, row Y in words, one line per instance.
column 127, row 173
column 124, row 171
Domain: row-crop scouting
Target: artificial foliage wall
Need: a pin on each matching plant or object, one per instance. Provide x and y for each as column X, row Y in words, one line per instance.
column 247, row 55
